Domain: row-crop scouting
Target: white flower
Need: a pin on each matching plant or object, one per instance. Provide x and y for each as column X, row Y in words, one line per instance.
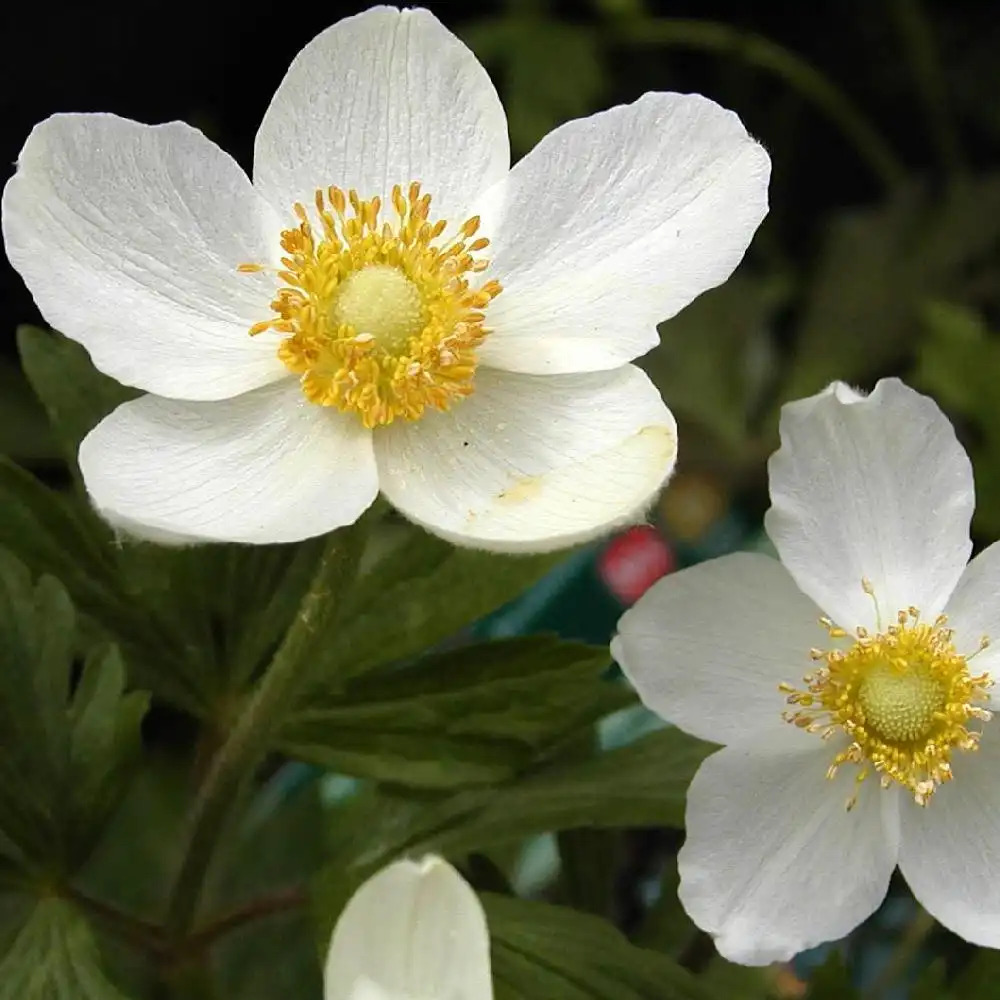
column 474, row 369
column 793, row 830
column 413, row 931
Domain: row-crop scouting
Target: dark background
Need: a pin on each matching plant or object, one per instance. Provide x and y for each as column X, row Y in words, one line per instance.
column 216, row 64
column 882, row 118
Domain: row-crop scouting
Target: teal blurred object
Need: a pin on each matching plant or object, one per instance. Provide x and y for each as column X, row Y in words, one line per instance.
column 583, row 597
column 570, row 601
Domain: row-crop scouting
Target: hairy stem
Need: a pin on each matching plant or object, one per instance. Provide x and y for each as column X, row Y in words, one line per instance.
column 143, row 936
column 248, row 741
column 280, row 901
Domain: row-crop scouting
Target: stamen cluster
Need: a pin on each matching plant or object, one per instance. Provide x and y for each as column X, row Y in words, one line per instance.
column 904, row 697
column 426, row 356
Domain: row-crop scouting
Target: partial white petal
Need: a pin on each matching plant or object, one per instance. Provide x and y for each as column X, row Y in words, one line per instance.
column 614, row 223
column 385, row 97
column 950, row 851
column 267, row 466
column 774, row 862
column 707, row 647
column 974, row 613
column 416, row 930
column 129, row 236
column 530, row 463
column 874, row 488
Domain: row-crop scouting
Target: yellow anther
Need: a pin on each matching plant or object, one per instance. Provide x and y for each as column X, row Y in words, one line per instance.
column 379, row 318
column 903, row 696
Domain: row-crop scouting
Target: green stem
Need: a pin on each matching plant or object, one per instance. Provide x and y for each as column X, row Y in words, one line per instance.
column 143, row 936
column 252, row 735
column 764, row 54
column 902, row 958
column 917, row 37
column 280, row 901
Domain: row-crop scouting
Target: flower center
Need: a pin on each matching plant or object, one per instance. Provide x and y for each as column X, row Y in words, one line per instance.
column 901, row 703
column 380, row 318
column 904, row 698
column 380, row 300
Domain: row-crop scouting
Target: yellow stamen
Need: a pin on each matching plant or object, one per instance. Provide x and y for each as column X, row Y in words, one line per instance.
column 380, row 319
column 904, row 697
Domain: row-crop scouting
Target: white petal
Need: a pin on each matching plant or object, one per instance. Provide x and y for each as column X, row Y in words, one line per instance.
column 873, row 487
column 950, row 851
column 267, row 466
column 974, row 613
column 614, row 223
column 129, row 237
column 530, row 463
column 774, row 862
column 707, row 647
column 416, row 930
column 385, row 97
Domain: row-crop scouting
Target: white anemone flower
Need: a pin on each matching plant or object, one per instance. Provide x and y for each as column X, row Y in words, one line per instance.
column 414, row 931
column 853, row 745
column 386, row 306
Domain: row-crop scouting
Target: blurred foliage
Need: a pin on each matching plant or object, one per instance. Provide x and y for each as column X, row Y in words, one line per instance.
column 958, row 363
column 885, row 262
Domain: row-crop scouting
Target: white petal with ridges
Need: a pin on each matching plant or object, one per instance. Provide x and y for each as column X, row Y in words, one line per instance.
column 773, row 862
column 873, row 487
column 706, row 648
column 267, row 466
column 529, row 463
column 950, row 851
column 974, row 613
column 614, row 223
column 128, row 237
column 385, row 97
column 413, row 930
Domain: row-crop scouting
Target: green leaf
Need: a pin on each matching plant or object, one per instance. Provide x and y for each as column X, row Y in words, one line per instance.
column 639, row 785
column 420, row 593
column 220, row 610
column 201, row 619
column 644, row 784
column 54, row 957
column 58, row 534
column 105, row 742
column 64, row 753
column 273, row 956
column 543, row 952
column 470, row 716
column 24, row 431
column 75, row 395
column 54, row 534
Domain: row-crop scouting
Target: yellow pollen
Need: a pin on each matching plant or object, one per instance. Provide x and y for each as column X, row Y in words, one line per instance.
column 904, row 698
column 380, row 318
